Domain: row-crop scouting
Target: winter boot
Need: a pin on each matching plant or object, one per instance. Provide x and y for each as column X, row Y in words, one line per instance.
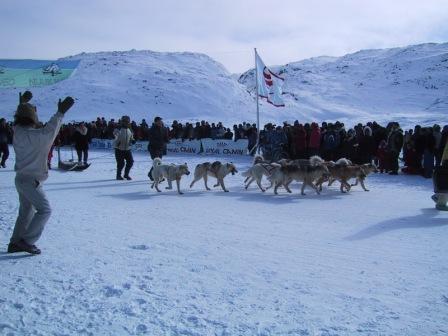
column 441, row 207
column 23, row 246
column 441, row 200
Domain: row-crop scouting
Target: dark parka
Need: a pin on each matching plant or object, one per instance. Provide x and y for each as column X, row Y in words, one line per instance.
column 158, row 138
column 81, row 138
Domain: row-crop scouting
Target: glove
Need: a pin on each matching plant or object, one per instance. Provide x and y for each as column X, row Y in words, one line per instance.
column 25, row 97
column 65, row 105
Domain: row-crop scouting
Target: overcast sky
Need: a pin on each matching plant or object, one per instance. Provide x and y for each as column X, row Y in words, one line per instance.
column 227, row 30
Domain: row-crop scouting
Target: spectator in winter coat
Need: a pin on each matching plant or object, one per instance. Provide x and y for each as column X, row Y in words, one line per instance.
column 31, row 146
column 314, row 142
column 228, row 135
column 330, row 144
column 56, row 142
column 407, row 138
column 122, row 144
column 197, row 131
column 410, row 161
column 350, row 145
column 158, row 138
column 419, row 144
column 428, row 152
column 367, row 148
column 381, row 154
column 394, row 145
column 441, row 182
column 298, row 139
column 4, row 137
column 443, row 141
column 81, row 140
column 279, row 138
column 438, row 148
column 188, row 133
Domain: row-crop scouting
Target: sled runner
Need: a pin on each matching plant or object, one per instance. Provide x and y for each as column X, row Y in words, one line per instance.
column 71, row 165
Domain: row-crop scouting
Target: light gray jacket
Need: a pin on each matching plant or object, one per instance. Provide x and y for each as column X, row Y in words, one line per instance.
column 32, row 146
column 123, row 139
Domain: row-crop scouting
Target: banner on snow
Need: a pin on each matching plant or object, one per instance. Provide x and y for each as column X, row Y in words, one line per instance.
column 173, row 147
column 225, row 147
column 177, row 146
column 209, row 146
column 102, row 144
column 34, row 73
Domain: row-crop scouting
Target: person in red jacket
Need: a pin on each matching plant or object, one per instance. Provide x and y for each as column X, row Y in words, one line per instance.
column 315, row 138
column 411, row 165
column 299, row 145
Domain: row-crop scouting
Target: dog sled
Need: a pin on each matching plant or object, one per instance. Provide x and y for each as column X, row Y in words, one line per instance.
column 70, row 165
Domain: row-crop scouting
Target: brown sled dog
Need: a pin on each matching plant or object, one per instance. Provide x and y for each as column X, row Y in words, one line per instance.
column 307, row 171
column 342, row 171
column 368, row 168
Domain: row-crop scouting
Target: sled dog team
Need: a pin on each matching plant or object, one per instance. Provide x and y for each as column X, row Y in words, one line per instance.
column 311, row 172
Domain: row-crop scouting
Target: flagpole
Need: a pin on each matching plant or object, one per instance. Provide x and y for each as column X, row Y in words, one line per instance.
column 258, row 106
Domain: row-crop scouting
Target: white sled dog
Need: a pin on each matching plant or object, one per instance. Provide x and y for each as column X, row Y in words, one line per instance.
column 306, row 171
column 171, row 172
column 257, row 171
column 216, row 169
column 257, row 159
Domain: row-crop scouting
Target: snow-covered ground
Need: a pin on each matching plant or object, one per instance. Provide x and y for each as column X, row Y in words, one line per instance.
column 121, row 259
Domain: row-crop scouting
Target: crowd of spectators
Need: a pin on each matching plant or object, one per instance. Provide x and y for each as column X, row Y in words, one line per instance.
column 421, row 147
column 103, row 129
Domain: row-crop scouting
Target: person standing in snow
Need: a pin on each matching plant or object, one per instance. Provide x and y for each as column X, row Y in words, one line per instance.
column 4, row 137
column 394, row 146
column 158, row 138
column 440, row 180
column 31, row 146
column 123, row 141
column 81, row 140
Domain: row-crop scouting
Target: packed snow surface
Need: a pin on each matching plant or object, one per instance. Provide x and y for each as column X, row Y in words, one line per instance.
column 121, row 259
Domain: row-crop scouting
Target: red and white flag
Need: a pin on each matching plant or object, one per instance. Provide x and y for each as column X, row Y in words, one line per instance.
column 269, row 84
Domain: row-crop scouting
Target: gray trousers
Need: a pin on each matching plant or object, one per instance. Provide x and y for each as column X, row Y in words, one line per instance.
column 34, row 211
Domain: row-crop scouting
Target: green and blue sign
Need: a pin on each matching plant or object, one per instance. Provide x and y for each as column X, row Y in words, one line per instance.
column 34, row 73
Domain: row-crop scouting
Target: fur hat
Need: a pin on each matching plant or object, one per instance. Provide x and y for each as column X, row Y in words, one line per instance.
column 367, row 131
column 26, row 111
column 125, row 121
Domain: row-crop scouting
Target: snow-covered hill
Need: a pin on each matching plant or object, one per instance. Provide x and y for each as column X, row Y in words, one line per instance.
column 407, row 84
column 143, row 84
